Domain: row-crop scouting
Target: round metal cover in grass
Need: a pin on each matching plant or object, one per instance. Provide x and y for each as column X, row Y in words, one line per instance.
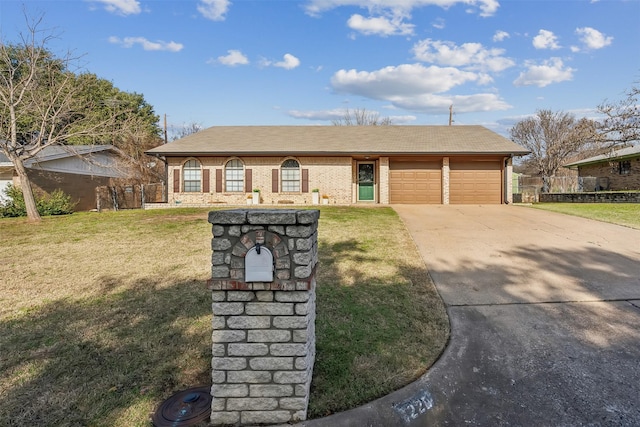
column 185, row 408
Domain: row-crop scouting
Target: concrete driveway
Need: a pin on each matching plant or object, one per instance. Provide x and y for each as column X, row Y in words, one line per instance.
column 545, row 317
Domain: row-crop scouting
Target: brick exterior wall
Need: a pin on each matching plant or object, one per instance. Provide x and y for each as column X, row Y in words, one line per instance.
column 334, row 176
column 509, row 181
column 445, row 180
column 331, row 175
column 263, row 333
column 383, row 178
column 630, row 181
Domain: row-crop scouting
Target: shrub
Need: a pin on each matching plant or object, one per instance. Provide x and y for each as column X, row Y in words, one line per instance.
column 14, row 204
column 56, row 203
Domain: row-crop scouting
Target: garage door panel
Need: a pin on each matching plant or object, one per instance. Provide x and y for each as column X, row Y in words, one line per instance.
column 422, row 175
column 415, row 182
column 475, row 182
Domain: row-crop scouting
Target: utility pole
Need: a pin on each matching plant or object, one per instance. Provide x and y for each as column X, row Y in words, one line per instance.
column 165, row 129
column 450, row 114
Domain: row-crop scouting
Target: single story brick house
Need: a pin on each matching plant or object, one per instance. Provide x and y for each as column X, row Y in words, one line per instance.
column 345, row 164
column 618, row 170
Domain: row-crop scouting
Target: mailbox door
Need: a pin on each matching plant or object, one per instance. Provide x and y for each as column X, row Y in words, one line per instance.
column 258, row 267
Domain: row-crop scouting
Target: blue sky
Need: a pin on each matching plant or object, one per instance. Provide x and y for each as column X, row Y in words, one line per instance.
column 286, row 62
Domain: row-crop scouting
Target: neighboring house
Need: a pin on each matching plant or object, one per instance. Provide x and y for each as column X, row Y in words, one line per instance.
column 347, row 164
column 75, row 169
column 618, row 170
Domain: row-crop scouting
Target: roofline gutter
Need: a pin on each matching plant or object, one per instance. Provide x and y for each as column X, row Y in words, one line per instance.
column 333, row 153
column 595, row 162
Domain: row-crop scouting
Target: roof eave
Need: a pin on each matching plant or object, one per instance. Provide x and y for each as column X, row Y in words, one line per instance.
column 334, row 153
column 595, row 162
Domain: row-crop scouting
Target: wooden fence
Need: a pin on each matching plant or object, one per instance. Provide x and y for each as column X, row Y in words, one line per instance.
column 132, row 196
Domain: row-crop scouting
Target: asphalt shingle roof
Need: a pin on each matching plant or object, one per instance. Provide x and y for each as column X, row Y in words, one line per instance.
column 621, row 154
column 53, row 152
column 340, row 140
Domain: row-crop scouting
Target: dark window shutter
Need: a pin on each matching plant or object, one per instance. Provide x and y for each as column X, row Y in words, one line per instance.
column 218, row 180
column 205, row 180
column 305, row 180
column 248, row 183
column 274, row 180
column 176, row 180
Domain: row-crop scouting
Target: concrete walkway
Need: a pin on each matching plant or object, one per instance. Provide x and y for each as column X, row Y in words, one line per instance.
column 545, row 317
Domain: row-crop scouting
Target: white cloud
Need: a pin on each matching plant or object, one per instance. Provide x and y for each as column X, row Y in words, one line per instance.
column 414, row 87
column 439, row 23
column 500, row 36
column 234, row 57
column 400, row 7
column 380, row 25
column 592, row 38
column 398, row 120
column 122, row 7
column 403, row 80
column 324, row 115
column 550, row 71
column 147, row 44
column 288, row 62
column 214, row 10
column 338, row 113
column 439, row 104
column 473, row 56
column 546, row 40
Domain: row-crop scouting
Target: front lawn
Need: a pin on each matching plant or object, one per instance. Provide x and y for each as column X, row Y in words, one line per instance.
column 627, row 214
column 102, row 316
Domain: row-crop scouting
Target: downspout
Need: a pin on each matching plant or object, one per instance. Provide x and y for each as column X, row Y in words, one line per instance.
column 507, row 180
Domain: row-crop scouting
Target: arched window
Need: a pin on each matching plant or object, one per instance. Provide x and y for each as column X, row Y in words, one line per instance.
column 290, row 176
column 191, row 176
column 234, row 176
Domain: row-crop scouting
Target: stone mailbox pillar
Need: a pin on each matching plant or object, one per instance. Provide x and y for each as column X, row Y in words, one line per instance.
column 263, row 332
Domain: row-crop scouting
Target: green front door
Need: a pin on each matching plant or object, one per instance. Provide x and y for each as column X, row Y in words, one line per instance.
column 366, row 182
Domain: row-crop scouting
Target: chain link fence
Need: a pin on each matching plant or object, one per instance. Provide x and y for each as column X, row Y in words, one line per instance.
column 530, row 187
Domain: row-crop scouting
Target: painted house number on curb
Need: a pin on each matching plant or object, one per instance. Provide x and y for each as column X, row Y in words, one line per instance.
column 412, row 408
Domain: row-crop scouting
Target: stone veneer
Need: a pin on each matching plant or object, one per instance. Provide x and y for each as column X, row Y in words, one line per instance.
column 597, row 197
column 263, row 333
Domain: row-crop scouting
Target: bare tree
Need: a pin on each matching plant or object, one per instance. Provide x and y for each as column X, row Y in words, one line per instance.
column 362, row 117
column 41, row 104
column 185, row 130
column 621, row 125
column 553, row 138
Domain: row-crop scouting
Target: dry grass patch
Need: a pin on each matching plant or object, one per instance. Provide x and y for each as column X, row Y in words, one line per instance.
column 102, row 316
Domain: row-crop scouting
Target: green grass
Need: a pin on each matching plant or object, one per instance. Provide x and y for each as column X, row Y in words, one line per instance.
column 380, row 322
column 627, row 214
column 102, row 316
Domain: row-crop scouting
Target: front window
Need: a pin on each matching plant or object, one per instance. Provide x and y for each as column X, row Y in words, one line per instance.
column 624, row 168
column 234, row 176
column 191, row 176
column 290, row 176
